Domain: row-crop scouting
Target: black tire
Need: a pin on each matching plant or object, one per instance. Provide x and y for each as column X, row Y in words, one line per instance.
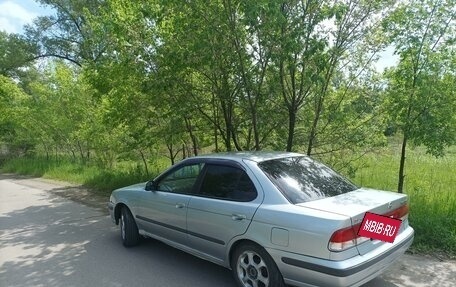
column 253, row 266
column 128, row 228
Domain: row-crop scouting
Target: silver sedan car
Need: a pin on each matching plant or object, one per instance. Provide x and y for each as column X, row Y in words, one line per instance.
column 272, row 218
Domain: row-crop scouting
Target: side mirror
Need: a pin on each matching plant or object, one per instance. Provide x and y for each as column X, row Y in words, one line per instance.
column 150, row 185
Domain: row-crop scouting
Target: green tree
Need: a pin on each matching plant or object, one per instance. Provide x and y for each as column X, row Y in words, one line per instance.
column 421, row 94
column 65, row 34
column 13, row 130
column 15, row 53
column 58, row 105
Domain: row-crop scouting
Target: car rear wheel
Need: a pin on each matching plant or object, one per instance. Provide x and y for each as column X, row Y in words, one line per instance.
column 128, row 228
column 253, row 267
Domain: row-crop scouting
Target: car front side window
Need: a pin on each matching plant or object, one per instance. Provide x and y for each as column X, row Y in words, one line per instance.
column 181, row 180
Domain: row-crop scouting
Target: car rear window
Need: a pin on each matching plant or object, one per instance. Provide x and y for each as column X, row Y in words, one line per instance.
column 302, row 179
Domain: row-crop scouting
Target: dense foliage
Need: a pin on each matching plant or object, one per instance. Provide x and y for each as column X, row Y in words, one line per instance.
column 115, row 80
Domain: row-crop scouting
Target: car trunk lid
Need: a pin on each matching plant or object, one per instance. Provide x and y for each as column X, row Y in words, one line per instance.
column 355, row 204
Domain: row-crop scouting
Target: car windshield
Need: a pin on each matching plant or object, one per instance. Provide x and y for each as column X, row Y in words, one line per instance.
column 302, row 179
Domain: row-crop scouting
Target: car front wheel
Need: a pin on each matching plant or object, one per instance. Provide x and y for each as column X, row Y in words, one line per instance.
column 253, row 267
column 128, row 228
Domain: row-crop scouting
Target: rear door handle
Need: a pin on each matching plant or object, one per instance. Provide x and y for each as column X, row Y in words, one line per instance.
column 238, row 217
column 180, row 205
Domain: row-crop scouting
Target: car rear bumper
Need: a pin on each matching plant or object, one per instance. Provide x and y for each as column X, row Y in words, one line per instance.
column 298, row 270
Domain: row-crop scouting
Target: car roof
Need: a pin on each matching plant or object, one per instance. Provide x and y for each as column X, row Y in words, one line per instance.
column 257, row 156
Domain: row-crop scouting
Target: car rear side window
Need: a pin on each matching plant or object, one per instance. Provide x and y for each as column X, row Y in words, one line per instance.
column 302, row 179
column 227, row 182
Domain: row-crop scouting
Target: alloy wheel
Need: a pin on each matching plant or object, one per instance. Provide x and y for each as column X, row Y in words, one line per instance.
column 252, row 270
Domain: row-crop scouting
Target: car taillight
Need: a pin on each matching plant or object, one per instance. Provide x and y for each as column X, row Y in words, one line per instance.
column 399, row 213
column 346, row 238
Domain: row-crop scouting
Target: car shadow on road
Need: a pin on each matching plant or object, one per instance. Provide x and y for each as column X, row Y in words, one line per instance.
column 169, row 266
column 57, row 242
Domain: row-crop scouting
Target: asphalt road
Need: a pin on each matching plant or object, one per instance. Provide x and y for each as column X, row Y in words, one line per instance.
column 49, row 240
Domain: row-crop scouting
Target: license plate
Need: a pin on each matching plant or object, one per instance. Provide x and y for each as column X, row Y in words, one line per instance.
column 379, row 227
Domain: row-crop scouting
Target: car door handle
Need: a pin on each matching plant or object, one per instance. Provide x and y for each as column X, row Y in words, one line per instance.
column 238, row 217
column 180, row 205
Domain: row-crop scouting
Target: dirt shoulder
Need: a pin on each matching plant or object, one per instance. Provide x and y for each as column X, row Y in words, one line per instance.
column 410, row 270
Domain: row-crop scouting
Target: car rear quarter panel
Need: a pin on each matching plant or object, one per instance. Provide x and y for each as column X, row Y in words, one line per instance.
column 308, row 230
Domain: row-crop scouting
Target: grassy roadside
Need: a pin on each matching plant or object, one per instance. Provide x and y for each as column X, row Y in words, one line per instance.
column 430, row 184
column 100, row 181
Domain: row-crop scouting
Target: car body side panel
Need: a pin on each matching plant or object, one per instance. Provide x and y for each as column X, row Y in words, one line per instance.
column 163, row 214
column 212, row 223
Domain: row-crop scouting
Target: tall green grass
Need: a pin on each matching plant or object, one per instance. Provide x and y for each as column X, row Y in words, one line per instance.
column 101, row 180
column 430, row 184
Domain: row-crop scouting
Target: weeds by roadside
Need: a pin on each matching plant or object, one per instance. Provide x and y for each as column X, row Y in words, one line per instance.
column 101, row 181
column 430, row 184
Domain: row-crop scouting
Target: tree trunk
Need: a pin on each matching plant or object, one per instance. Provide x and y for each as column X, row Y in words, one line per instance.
column 256, row 135
column 193, row 138
column 291, row 127
column 400, row 184
column 235, row 141
column 215, row 122
column 81, row 152
column 313, row 132
column 227, row 116
column 88, row 151
column 171, row 153
column 145, row 162
column 216, row 138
